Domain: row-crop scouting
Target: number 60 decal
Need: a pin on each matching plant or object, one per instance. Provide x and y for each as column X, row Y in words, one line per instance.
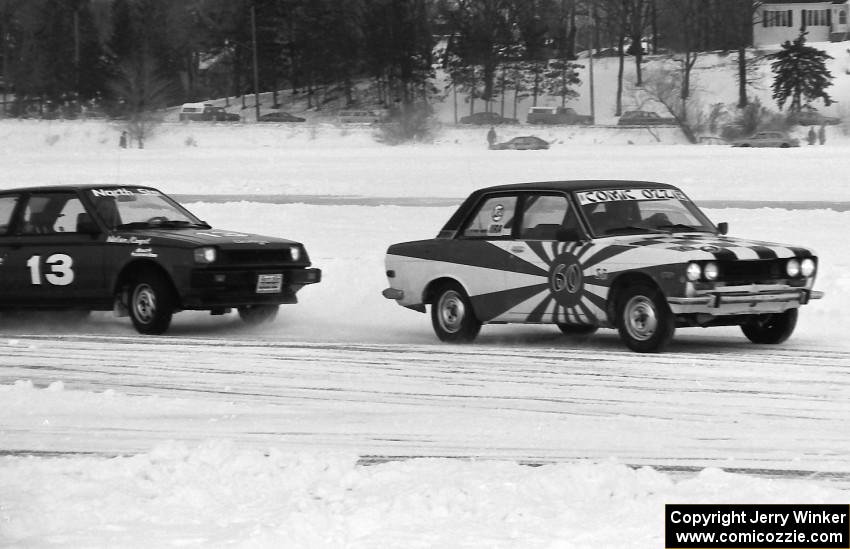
column 60, row 272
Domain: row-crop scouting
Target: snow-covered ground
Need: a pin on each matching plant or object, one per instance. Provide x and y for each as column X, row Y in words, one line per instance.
column 251, row 486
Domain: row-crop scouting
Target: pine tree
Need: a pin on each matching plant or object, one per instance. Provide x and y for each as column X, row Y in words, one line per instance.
column 800, row 74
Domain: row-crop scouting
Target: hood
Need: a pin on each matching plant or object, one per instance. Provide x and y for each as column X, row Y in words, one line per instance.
column 193, row 237
column 703, row 246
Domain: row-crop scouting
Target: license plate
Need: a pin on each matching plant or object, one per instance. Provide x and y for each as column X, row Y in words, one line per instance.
column 269, row 283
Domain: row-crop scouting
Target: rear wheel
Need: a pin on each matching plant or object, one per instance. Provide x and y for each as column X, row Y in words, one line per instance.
column 452, row 316
column 644, row 320
column 151, row 304
column 254, row 315
column 771, row 328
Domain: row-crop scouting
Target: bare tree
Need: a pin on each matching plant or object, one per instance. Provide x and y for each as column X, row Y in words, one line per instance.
column 666, row 88
column 142, row 93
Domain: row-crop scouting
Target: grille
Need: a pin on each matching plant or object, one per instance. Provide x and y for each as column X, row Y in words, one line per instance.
column 256, row 257
column 752, row 272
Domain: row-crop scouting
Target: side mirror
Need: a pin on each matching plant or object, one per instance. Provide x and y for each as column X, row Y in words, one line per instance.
column 567, row 235
column 722, row 228
column 86, row 225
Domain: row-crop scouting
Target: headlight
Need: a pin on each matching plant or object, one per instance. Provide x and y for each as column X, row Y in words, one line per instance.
column 792, row 268
column 295, row 253
column 711, row 272
column 207, row 254
column 694, row 272
column 807, row 267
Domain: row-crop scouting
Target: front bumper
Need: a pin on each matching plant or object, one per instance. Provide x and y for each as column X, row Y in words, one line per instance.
column 737, row 301
column 234, row 288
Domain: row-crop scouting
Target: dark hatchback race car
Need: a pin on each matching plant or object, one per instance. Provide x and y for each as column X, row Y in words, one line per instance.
column 632, row 255
column 138, row 252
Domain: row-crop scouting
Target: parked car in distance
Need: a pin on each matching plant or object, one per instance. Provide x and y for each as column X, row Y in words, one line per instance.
column 637, row 256
column 487, row 119
column 135, row 251
column 206, row 112
column 522, row 143
column 219, row 114
column 811, row 117
column 644, row 118
column 767, row 139
column 363, row 116
column 556, row 115
column 280, row 116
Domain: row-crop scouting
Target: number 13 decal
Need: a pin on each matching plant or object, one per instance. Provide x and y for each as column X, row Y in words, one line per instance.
column 59, row 266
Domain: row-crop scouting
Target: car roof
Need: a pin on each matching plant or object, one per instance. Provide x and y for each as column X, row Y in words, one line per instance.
column 563, row 186
column 573, row 185
column 73, row 187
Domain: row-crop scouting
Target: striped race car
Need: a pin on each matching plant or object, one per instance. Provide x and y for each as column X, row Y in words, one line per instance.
column 632, row 255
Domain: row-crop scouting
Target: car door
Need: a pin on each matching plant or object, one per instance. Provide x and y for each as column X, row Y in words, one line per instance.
column 49, row 262
column 547, row 264
column 478, row 256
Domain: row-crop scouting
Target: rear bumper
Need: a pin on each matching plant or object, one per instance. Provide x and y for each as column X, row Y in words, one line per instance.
column 742, row 303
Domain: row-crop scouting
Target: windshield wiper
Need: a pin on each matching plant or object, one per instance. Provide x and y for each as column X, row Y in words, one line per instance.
column 168, row 224
column 631, row 229
column 175, row 223
column 682, row 227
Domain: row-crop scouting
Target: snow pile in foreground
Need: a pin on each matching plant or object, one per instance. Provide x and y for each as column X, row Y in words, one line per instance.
column 217, row 495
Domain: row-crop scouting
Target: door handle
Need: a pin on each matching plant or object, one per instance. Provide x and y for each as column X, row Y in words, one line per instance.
column 518, row 249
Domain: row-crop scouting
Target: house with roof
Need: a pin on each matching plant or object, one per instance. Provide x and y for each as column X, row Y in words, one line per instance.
column 776, row 21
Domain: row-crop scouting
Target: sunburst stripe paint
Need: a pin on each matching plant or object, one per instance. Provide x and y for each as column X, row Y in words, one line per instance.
column 492, row 305
column 475, row 253
column 591, row 296
column 541, row 309
column 588, row 310
column 603, row 254
column 476, row 280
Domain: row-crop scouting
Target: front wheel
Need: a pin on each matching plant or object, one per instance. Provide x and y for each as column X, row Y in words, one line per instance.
column 770, row 328
column 644, row 320
column 452, row 316
column 254, row 315
column 151, row 304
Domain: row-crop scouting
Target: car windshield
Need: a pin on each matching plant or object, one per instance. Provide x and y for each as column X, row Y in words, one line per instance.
column 131, row 207
column 611, row 212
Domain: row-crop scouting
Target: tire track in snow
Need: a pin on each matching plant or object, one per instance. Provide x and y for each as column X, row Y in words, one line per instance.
column 772, row 408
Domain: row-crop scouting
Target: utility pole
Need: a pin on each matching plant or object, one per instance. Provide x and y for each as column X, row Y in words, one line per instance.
column 590, row 66
column 77, row 52
column 256, row 69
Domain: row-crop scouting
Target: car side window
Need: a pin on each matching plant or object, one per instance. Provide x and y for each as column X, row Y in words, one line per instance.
column 493, row 219
column 69, row 216
column 544, row 215
column 7, row 208
column 45, row 213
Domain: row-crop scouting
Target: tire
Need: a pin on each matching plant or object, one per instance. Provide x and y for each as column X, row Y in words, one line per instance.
column 254, row 315
column 770, row 329
column 151, row 303
column 644, row 320
column 577, row 329
column 452, row 316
